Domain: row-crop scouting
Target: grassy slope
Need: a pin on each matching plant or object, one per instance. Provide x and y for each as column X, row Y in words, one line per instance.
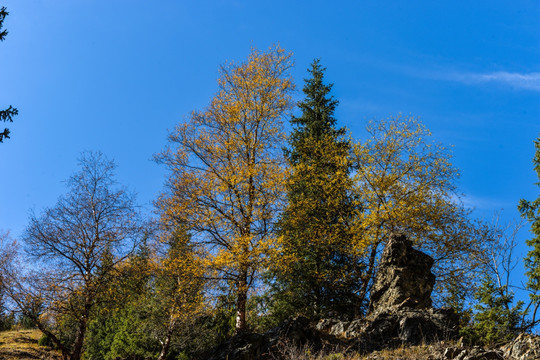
column 23, row 345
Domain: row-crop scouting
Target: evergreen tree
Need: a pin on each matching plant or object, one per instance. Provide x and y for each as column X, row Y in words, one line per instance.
column 530, row 210
column 5, row 115
column 116, row 327
column 495, row 320
column 317, row 270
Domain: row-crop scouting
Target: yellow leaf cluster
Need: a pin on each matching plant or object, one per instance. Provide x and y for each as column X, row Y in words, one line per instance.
column 407, row 183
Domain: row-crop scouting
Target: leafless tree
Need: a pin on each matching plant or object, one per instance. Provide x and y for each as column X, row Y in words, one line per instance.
column 76, row 245
column 8, row 252
column 500, row 258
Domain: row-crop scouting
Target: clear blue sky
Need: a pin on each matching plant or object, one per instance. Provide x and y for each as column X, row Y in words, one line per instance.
column 115, row 75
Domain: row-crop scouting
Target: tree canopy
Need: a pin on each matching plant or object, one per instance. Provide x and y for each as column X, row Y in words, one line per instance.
column 226, row 171
column 405, row 182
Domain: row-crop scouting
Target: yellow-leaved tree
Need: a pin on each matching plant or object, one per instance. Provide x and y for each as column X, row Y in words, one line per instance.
column 406, row 182
column 226, row 171
column 179, row 287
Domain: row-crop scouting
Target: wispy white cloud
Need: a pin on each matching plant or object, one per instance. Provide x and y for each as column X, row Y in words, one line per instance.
column 435, row 71
column 483, row 204
column 527, row 81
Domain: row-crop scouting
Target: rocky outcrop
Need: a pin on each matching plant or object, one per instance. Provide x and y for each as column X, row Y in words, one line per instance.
column 523, row 347
column 400, row 314
column 389, row 329
column 400, row 309
column 404, row 278
column 475, row 353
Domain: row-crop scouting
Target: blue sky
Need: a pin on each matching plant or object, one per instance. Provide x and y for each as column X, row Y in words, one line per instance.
column 116, row 75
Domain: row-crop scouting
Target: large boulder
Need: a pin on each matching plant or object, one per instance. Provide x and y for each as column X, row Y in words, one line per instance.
column 404, row 278
column 409, row 326
column 389, row 329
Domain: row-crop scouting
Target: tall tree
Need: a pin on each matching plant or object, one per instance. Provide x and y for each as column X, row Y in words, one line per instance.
column 5, row 115
column 530, row 210
column 78, row 242
column 319, row 264
column 407, row 183
column 227, row 174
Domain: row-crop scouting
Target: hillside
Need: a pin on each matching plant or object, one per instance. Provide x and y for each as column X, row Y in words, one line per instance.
column 23, row 345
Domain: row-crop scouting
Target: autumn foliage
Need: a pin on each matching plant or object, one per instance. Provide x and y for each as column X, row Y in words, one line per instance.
column 227, row 174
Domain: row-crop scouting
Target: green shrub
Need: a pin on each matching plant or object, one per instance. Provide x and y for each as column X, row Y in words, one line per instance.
column 495, row 318
column 45, row 341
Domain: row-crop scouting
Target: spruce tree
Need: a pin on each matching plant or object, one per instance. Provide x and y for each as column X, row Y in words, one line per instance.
column 495, row 319
column 530, row 210
column 7, row 114
column 318, row 269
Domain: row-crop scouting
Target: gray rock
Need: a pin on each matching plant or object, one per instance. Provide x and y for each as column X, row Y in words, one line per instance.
column 476, row 353
column 250, row 346
column 523, row 347
column 326, row 324
column 404, row 278
column 355, row 328
column 401, row 312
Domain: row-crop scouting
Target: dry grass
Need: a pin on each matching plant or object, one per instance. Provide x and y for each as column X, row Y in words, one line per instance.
column 23, row 345
column 421, row 352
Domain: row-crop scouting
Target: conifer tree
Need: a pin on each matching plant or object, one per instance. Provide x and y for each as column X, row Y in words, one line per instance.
column 317, row 271
column 530, row 210
column 495, row 319
column 7, row 114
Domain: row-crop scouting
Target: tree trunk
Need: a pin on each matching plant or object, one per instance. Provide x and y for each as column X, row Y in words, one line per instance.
column 79, row 342
column 165, row 347
column 83, row 324
column 166, row 343
column 54, row 339
column 241, row 301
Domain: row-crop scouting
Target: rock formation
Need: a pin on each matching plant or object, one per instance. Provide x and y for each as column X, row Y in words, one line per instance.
column 400, row 308
column 475, row 353
column 248, row 346
column 404, row 278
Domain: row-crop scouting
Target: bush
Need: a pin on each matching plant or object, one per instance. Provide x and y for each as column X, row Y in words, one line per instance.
column 7, row 322
column 45, row 341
